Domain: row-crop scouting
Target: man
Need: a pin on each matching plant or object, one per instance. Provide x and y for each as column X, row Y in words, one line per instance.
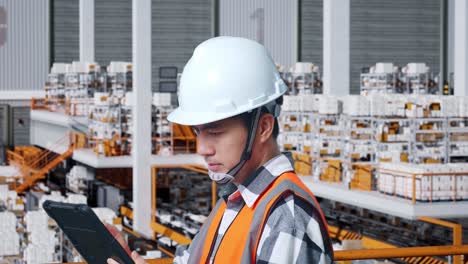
column 230, row 93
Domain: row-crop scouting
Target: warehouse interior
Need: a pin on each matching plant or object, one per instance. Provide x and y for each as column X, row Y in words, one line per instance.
column 375, row 116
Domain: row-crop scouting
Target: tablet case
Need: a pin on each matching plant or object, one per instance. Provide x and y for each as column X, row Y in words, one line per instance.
column 87, row 233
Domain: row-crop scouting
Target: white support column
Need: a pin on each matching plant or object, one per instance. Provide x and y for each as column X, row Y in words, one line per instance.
column 461, row 48
column 451, row 38
column 336, row 17
column 87, row 30
column 141, row 145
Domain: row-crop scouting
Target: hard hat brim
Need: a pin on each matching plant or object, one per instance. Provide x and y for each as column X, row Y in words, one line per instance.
column 194, row 119
column 201, row 118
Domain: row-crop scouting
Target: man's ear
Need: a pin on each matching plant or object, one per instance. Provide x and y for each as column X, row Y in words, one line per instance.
column 266, row 124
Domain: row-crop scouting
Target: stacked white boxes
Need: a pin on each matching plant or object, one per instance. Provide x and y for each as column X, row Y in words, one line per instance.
column 302, row 78
column 291, row 103
column 9, row 198
column 87, row 92
column 76, row 179
column 397, row 128
column 119, row 76
column 381, row 78
column 386, row 78
column 396, row 179
column 162, row 128
column 9, row 244
column 162, row 99
column 450, row 108
column 286, row 139
column 382, row 67
column 423, row 106
column 119, row 67
column 293, row 121
column 460, row 149
column 105, row 117
column 3, row 193
column 44, row 237
column 36, row 220
column 309, row 102
column 456, row 106
column 80, row 79
column 392, row 152
column 355, row 105
column 302, row 67
column 388, row 105
column 76, row 199
column 105, row 120
column 129, row 99
column 43, row 240
column 55, row 196
column 329, row 105
column 55, row 85
column 153, row 254
column 414, row 68
column 462, row 106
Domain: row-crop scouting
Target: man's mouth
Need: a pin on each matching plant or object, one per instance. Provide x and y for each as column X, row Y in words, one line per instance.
column 214, row 166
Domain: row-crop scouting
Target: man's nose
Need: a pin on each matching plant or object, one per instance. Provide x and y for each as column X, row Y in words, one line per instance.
column 204, row 148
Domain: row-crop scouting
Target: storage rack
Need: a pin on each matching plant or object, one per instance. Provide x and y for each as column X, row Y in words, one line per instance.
column 162, row 130
column 327, row 147
column 429, row 140
column 105, row 125
column 380, row 83
column 359, row 152
column 303, row 83
column 302, row 78
column 390, row 135
column 295, row 131
column 420, row 83
column 457, row 139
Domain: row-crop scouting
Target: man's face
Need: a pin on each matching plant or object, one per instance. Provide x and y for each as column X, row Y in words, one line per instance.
column 221, row 143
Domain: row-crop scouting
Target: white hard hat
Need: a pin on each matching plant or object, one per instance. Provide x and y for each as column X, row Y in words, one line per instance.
column 226, row 76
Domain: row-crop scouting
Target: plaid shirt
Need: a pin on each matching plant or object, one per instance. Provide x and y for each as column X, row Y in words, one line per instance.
column 294, row 231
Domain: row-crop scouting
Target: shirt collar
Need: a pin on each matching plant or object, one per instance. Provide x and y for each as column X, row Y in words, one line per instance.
column 257, row 182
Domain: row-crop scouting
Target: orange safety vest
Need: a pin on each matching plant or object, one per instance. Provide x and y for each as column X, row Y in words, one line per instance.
column 239, row 243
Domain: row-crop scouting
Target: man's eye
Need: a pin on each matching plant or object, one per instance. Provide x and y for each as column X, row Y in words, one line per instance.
column 214, row 132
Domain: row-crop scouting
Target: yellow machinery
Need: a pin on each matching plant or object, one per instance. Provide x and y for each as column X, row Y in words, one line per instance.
column 34, row 164
column 183, row 139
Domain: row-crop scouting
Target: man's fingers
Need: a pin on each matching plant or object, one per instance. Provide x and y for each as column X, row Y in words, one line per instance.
column 116, row 234
column 111, row 229
column 137, row 258
column 111, row 261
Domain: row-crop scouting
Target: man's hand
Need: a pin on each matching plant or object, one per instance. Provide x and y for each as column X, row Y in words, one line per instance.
column 115, row 232
column 135, row 256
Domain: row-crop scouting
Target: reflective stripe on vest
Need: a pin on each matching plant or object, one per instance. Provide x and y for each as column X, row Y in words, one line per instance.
column 240, row 242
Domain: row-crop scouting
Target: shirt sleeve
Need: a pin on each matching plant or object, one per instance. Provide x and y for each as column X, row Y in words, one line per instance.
column 181, row 255
column 294, row 233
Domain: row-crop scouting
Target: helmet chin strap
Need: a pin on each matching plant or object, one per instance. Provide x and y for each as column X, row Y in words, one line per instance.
column 223, row 178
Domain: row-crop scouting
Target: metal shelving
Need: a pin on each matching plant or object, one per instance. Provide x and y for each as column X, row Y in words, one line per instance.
column 457, row 134
column 379, row 82
column 429, row 140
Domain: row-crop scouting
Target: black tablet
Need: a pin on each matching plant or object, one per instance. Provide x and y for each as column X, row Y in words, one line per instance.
column 87, row 233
